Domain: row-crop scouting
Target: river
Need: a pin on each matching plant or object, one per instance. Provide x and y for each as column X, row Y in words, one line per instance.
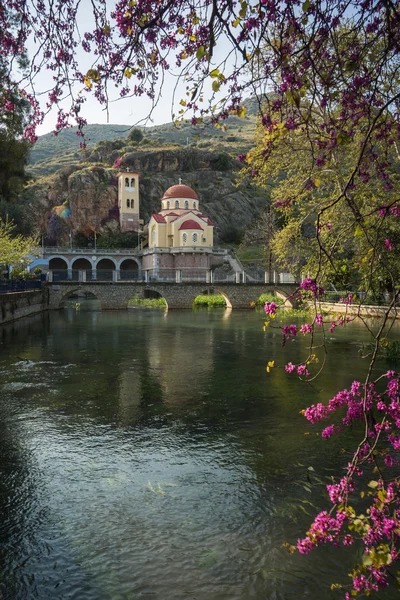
column 148, row 454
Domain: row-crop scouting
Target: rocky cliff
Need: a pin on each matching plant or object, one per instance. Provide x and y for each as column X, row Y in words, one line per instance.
column 88, row 190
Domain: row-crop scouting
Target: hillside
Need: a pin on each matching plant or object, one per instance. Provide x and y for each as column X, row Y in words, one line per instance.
column 85, row 181
column 51, row 153
column 50, row 146
column 90, row 192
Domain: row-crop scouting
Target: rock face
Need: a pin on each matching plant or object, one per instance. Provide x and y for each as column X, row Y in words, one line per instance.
column 90, row 192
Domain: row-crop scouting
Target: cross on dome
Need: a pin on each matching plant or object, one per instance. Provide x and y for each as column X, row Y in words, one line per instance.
column 180, row 180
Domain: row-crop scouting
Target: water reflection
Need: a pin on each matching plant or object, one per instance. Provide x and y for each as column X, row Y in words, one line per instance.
column 151, row 455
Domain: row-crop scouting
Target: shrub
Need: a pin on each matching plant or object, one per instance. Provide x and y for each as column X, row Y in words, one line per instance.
column 268, row 298
column 148, row 302
column 210, row 300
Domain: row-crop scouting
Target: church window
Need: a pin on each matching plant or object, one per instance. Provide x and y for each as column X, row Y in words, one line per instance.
column 132, row 203
column 186, row 203
column 176, row 203
column 168, row 204
column 128, row 203
column 126, row 182
column 133, row 184
column 194, row 204
column 153, row 235
column 194, row 237
column 184, row 238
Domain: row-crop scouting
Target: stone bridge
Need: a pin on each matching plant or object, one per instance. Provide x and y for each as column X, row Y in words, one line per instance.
column 177, row 295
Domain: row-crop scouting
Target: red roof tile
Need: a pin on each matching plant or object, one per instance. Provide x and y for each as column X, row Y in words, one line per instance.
column 159, row 218
column 180, row 191
column 190, row 224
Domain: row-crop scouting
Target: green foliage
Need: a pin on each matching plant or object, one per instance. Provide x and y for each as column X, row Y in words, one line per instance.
column 14, row 249
column 80, row 240
column 232, row 234
column 313, row 214
column 118, row 240
column 210, row 300
column 223, row 162
column 148, row 302
column 390, row 349
column 18, row 273
column 248, row 254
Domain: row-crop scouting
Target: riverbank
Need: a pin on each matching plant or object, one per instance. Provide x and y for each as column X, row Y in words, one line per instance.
column 359, row 309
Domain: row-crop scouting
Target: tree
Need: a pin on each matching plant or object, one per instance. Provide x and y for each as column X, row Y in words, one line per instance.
column 319, row 233
column 326, row 74
column 15, row 250
column 135, row 135
column 14, row 148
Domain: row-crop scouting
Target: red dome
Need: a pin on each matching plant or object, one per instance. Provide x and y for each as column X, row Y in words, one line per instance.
column 190, row 224
column 180, row 191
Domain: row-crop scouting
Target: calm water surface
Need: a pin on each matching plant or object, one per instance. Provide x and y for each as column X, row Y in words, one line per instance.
column 146, row 454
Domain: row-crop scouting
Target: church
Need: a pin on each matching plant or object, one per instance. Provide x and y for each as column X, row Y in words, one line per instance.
column 179, row 236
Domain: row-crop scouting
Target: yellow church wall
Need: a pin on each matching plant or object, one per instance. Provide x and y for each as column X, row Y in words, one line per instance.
column 162, row 235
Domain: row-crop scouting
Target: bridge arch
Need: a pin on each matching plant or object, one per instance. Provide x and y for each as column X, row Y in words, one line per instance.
column 80, row 293
column 288, row 299
column 153, row 293
column 214, row 291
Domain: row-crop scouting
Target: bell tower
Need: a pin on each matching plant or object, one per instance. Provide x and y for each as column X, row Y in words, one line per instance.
column 128, row 200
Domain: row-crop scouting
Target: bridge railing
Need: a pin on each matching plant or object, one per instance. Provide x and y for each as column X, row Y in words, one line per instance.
column 200, row 275
column 184, row 275
column 167, row 275
column 49, row 250
column 221, row 277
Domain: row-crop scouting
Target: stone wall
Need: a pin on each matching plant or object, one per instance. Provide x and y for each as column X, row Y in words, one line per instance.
column 16, row 305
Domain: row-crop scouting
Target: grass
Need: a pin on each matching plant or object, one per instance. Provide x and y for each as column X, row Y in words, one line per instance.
column 148, row 302
column 210, row 300
column 248, row 254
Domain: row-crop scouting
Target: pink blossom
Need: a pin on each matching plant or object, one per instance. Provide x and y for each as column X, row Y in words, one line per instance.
column 318, row 319
column 388, row 245
column 270, row 308
column 306, row 328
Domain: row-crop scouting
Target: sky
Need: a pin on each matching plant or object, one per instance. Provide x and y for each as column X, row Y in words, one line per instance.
column 126, row 111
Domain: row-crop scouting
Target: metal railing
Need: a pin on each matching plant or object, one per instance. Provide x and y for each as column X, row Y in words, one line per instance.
column 48, row 250
column 360, row 297
column 19, row 286
column 183, row 275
